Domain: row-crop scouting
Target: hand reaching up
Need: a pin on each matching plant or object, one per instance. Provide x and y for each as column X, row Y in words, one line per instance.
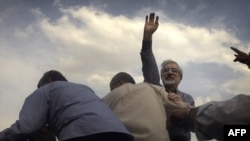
column 151, row 25
column 241, row 56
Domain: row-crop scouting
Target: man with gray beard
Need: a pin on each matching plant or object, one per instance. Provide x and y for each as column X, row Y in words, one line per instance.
column 171, row 76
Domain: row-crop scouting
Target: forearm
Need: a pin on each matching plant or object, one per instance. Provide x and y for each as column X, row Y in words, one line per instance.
column 13, row 133
column 147, row 36
column 32, row 117
column 215, row 115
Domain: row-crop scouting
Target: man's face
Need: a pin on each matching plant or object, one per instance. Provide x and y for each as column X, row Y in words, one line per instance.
column 171, row 75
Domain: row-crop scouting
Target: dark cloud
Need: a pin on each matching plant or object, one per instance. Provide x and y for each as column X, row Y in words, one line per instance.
column 213, row 13
column 18, row 12
column 234, row 14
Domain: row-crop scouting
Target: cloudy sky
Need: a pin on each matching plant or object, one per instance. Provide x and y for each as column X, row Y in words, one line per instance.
column 91, row 40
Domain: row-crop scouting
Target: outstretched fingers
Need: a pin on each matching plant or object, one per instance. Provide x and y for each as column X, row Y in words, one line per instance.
column 151, row 17
column 237, row 51
column 157, row 19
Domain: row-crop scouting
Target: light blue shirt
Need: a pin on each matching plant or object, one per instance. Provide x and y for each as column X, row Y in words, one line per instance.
column 71, row 110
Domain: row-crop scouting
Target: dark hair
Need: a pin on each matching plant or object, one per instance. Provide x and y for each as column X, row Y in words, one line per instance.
column 51, row 76
column 125, row 77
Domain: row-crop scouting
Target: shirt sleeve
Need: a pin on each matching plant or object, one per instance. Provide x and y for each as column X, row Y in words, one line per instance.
column 212, row 116
column 149, row 65
column 32, row 117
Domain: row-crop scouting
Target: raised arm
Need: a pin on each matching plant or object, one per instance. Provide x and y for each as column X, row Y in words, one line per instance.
column 149, row 66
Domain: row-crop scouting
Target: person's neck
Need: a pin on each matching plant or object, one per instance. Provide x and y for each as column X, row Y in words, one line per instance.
column 171, row 89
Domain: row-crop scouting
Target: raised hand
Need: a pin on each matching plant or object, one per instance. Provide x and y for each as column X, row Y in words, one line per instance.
column 151, row 25
column 241, row 56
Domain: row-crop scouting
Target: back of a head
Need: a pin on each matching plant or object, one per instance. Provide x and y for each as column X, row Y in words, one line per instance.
column 51, row 76
column 121, row 76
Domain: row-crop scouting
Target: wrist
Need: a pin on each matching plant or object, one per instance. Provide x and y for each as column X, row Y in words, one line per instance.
column 187, row 113
column 191, row 114
column 248, row 63
column 191, row 117
column 147, row 36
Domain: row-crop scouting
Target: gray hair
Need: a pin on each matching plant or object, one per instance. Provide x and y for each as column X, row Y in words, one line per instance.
column 165, row 62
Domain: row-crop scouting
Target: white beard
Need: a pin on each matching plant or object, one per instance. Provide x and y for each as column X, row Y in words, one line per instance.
column 169, row 82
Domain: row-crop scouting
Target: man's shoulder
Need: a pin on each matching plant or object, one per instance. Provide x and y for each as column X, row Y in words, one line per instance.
column 119, row 91
column 151, row 85
column 184, row 93
column 186, row 97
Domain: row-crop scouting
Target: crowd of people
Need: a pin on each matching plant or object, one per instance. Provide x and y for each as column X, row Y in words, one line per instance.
column 145, row 111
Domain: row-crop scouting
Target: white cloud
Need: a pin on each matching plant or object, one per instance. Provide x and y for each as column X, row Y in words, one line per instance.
column 238, row 86
column 174, row 40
